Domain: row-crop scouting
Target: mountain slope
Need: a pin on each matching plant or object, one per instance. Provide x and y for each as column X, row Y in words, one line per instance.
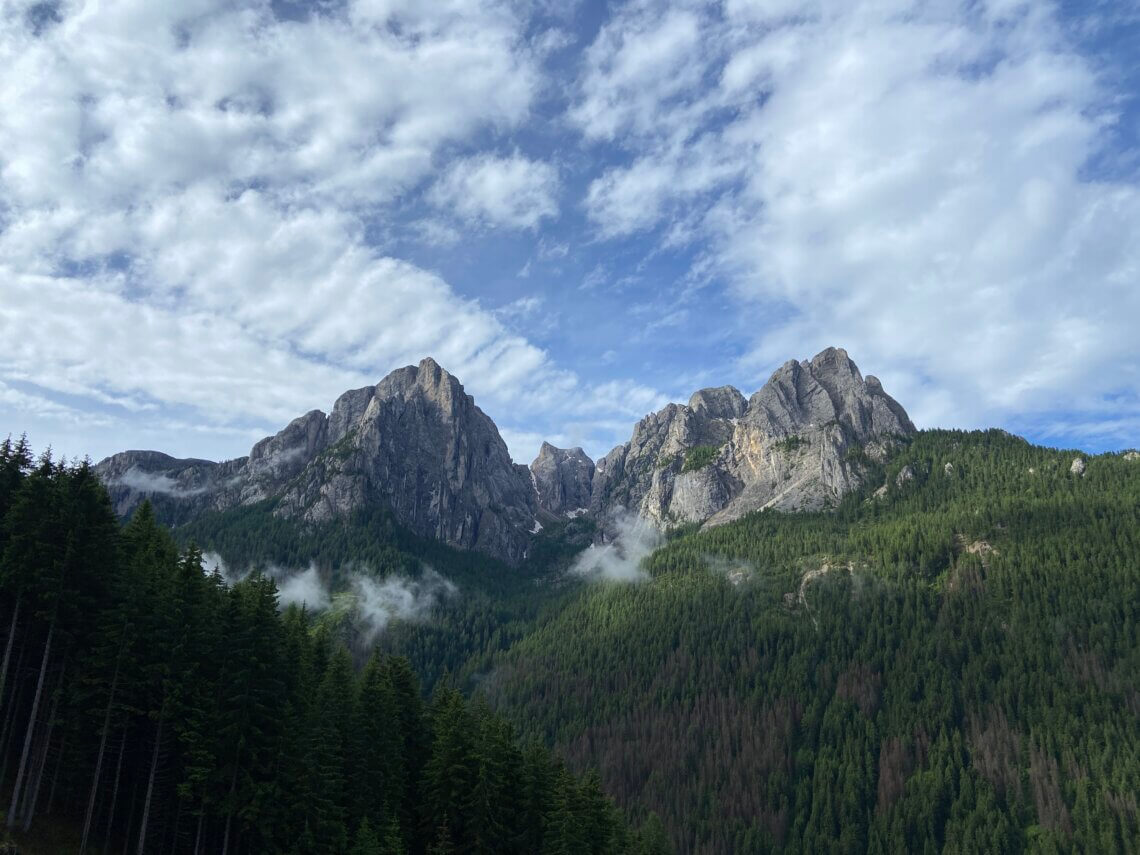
column 152, row 707
column 947, row 664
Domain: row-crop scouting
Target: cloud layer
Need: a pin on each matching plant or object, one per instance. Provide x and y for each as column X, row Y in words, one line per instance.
column 619, row 558
column 910, row 179
column 215, row 216
column 192, row 196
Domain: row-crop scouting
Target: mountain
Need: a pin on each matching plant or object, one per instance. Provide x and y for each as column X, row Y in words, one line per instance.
column 414, row 443
column 563, row 479
column 417, row 445
column 946, row 662
column 800, row 443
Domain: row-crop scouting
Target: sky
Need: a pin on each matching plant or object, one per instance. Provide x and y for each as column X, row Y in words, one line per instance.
column 216, row 215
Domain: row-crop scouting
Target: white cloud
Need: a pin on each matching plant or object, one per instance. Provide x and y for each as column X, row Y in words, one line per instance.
column 36, row 405
column 380, row 601
column 513, row 192
column 619, row 559
column 907, row 179
column 637, row 70
column 187, row 190
column 148, row 482
column 371, row 602
column 303, row 589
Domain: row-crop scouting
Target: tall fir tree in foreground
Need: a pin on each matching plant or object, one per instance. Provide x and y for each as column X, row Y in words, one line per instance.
column 153, row 708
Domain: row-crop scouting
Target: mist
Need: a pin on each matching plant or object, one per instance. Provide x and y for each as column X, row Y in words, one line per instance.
column 149, row 482
column 380, row 601
column 619, row 559
column 211, row 561
column 371, row 603
column 302, row 589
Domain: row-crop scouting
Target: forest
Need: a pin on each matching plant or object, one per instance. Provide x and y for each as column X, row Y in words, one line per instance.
column 149, row 706
column 949, row 661
column 949, row 664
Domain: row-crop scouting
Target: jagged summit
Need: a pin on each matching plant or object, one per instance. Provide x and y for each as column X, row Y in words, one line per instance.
column 562, row 479
column 795, row 444
column 415, row 442
column 723, row 402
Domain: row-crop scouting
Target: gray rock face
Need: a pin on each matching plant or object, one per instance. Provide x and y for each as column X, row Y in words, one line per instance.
column 1078, row 467
column 795, row 444
column 415, row 442
column 183, row 487
column 563, row 479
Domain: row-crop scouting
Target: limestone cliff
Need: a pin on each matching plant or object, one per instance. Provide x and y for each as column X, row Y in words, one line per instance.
column 798, row 443
column 415, row 442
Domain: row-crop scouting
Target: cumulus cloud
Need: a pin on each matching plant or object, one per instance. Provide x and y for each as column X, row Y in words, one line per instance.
column 500, row 191
column 187, row 193
column 206, row 210
column 907, row 179
column 619, row 558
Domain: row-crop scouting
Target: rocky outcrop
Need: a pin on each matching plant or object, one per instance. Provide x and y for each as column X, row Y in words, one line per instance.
column 800, row 442
column 1078, row 467
column 563, row 479
column 415, row 443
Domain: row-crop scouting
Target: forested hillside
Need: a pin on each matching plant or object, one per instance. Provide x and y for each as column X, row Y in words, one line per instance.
column 149, row 707
column 949, row 662
column 951, row 665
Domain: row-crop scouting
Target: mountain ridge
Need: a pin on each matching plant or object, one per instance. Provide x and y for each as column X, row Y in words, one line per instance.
column 417, row 443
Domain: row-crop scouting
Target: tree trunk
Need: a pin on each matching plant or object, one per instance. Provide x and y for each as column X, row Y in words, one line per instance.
column 38, row 778
column 12, row 818
column 10, row 717
column 230, row 811
column 8, row 647
column 198, row 837
column 131, row 817
column 99, row 758
column 35, row 775
column 177, row 822
column 150, row 779
column 115, row 794
column 55, row 774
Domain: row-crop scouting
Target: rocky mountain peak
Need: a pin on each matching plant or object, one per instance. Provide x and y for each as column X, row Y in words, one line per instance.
column 723, row 402
column 414, row 442
column 796, row 443
column 417, row 444
column 563, row 479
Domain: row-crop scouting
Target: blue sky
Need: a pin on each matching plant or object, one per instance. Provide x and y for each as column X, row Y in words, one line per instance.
column 215, row 216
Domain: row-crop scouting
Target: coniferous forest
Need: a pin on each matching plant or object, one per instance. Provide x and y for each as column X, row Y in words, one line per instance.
column 150, row 707
column 947, row 662
column 951, row 664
